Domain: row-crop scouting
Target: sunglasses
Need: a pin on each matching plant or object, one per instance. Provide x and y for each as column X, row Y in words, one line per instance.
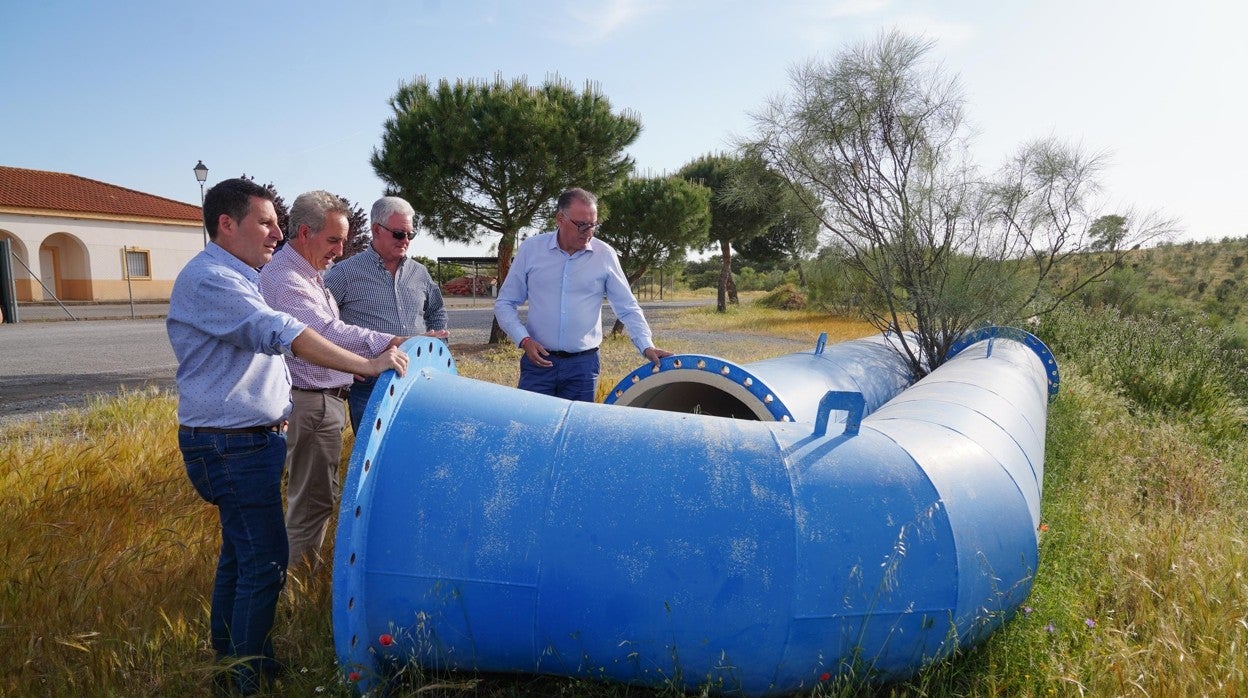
column 399, row 234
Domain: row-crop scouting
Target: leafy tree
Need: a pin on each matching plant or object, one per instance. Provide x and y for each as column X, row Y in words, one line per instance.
column 1107, row 232
column 735, row 218
column 653, row 220
column 834, row 284
column 476, row 158
column 874, row 143
column 792, row 236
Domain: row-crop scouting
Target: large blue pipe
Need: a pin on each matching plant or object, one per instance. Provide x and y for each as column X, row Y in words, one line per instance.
column 786, row 388
column 492, row 529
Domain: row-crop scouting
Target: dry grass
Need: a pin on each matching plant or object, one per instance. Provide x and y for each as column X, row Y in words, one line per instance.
column 103, row 543
column 744, row 334
column 797, row 325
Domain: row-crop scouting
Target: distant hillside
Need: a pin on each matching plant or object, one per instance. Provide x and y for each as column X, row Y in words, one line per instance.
column 1205, row 281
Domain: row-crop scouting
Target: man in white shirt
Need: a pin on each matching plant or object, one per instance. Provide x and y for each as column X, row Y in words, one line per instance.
column 564, row 276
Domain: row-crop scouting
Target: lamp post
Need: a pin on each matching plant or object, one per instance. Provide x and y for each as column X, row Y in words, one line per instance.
column 201, row 174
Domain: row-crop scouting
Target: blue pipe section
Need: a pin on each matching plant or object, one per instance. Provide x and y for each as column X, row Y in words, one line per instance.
column 486, row 528
column 786, row 388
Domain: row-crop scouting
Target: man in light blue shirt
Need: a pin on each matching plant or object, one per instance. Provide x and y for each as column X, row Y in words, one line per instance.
column 564, row 275
column 233, row 398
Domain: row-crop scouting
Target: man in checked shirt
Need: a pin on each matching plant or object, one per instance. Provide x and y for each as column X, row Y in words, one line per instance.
column 292, row 283
column 381, row 288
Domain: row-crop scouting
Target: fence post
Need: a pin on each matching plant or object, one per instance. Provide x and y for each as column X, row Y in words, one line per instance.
column 125, row 269
column 8, row 288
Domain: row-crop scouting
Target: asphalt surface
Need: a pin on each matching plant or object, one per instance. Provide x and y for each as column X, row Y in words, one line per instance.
column 48, row 361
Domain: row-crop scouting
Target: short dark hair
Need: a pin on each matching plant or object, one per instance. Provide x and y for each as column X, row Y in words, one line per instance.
column 233, row 198
column 575, row 194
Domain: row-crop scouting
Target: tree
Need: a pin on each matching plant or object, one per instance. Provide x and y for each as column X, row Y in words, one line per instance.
column 706, row 273
column 792, row 236
column 652, row 220
column 1107, row 232
column 875, row 144
column 476, row 158
column 735, row 219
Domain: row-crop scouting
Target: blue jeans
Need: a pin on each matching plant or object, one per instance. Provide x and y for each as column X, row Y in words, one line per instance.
column 357, row 401
column 571, row 378
column 241, row 474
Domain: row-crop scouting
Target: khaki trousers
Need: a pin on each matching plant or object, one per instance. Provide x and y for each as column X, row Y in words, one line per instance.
column 313, row 448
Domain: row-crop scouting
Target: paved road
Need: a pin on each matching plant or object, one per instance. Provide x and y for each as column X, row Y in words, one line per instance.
column 45, row 365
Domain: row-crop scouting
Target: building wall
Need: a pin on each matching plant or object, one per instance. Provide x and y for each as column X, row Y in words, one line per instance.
column 88, row 255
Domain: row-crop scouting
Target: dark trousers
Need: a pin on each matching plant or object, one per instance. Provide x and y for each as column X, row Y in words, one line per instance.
column 357, row 401
column 241, row 474
column 571, row 377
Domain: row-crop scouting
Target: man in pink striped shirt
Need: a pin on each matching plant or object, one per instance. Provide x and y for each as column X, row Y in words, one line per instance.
column 293, row 283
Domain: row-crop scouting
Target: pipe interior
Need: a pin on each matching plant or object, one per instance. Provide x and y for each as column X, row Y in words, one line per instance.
column 692, row 398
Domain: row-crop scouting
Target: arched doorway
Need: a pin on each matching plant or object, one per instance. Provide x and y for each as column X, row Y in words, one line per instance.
column 64, row 268
column 23, row 284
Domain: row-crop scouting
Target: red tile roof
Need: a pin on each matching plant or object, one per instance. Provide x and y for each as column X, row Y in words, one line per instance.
column 55, row 191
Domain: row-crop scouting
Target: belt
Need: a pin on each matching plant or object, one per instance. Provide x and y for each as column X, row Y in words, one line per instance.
column 274, row 428
column 340, row 393
column 570, row 354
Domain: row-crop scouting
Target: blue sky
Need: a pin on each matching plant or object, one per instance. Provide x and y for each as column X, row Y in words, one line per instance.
column 295, row 93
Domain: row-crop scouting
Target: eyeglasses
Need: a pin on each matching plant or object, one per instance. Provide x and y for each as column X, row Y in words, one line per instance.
column 399, row 234
column 582, row 227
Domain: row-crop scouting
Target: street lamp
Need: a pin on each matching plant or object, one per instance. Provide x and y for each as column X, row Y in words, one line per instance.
column 201, row 173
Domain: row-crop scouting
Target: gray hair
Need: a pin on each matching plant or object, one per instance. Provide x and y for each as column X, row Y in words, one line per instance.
column 387, row 206
column 312, row 207
column 576, row 194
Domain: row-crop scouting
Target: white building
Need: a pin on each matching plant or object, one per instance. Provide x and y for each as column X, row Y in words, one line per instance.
column 84, row 240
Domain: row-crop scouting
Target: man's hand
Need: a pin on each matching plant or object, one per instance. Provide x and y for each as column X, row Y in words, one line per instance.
column 398, row 341
column 654, row 354
column 439, row 334
column 391, row 358
column 536, row 352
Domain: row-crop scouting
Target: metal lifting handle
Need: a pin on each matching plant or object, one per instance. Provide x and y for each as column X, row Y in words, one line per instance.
column 850, row 401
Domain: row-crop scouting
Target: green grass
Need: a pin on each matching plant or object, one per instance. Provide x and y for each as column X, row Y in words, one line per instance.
column 108, row 554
